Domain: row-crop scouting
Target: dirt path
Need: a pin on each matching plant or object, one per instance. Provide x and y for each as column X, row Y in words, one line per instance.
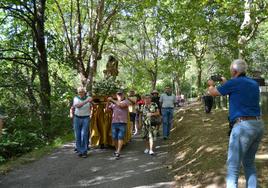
column 64, row 169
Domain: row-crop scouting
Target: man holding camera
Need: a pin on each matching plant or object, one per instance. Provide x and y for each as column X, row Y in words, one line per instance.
column 248, row 127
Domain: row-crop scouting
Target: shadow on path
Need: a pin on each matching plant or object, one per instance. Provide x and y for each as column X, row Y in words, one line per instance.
column 63, row 168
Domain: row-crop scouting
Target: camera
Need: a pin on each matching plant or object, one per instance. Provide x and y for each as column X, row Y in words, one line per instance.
column 260, row 81
column 216, row 78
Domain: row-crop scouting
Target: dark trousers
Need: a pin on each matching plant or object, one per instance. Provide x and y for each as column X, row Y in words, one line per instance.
column 208, row 100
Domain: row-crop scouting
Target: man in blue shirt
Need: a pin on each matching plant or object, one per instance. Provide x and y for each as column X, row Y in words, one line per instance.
column 248, row 127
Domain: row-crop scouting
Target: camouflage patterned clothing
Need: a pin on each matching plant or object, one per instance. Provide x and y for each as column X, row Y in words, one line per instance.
column 148, row 129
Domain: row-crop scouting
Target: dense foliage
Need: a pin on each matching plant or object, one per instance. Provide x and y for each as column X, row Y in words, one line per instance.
column 49, row 47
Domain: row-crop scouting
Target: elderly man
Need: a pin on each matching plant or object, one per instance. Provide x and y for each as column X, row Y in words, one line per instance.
column 248, row 127
column 81, row 120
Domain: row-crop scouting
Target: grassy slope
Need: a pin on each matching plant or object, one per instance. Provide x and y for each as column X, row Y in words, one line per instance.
column 199, row 149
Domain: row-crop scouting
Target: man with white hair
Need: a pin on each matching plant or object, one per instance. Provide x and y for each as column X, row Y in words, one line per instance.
column 248, row 127
column 82, row 107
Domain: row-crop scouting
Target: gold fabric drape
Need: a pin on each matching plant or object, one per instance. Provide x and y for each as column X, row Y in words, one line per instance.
column 101, row 126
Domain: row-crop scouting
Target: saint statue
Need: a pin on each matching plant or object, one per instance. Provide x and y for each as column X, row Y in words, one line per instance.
column 111, row 68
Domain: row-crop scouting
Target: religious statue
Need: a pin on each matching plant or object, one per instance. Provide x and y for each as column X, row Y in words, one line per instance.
column 111, row 68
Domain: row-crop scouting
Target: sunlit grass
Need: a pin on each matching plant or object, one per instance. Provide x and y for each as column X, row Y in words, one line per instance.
column 199, row 148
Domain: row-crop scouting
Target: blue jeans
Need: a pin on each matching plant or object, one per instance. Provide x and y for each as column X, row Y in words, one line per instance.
column 118, row 131
column 167, row 115
column 81, row 128
column 243, row 145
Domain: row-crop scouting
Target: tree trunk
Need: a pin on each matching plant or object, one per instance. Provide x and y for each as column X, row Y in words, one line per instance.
column 153, row 82
column 45, row 90
column 177, row 85
column 199, row 74
column 92, row 67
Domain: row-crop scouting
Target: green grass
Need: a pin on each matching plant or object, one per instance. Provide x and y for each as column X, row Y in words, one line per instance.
column 35, row 154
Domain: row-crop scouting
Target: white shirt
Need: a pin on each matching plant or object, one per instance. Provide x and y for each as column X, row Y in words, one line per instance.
column 84, row 110
column 132, row 107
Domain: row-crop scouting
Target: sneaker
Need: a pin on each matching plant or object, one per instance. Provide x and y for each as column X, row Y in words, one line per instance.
column 146, row 151
column 151, row 153
column 80, row 154
column 114, row 153
column 84, row 155
column 117, row 156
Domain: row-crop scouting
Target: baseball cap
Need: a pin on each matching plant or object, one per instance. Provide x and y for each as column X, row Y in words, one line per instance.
column 120, row 91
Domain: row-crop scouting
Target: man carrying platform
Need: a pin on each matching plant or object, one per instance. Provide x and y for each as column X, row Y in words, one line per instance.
column 119, row 120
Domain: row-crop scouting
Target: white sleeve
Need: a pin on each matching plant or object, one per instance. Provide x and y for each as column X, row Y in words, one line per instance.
column 75, row 101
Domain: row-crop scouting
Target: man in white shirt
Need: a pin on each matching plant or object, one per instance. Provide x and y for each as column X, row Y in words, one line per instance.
column 81, row 120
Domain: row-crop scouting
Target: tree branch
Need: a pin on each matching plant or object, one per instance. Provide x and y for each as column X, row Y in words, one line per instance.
column 70, row 42
column 20, row 51
column 18, row 61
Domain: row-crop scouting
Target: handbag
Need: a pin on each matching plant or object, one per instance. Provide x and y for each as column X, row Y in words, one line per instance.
column 155, row 120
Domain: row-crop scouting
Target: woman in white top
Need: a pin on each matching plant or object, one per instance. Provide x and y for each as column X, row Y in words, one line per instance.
column 81, row 120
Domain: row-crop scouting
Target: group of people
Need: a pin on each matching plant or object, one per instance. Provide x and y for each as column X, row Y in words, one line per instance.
column 144, row 113
column 244, row 113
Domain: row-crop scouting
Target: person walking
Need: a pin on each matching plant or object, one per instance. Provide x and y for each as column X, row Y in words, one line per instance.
column 132, row 98
column 149, row 112
column 167, row 102
column 156, row 99
column 208, row 102
column 119, row 120
column 244, row 113
column 81, row 120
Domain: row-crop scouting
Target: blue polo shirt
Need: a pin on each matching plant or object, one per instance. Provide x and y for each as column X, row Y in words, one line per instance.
column 244, row 97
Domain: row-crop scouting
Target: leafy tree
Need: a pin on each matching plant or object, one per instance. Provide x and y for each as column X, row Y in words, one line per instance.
column 85, row 29
column 32, row 15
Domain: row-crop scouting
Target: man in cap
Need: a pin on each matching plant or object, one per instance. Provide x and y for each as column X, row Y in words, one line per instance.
column 119, row 120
